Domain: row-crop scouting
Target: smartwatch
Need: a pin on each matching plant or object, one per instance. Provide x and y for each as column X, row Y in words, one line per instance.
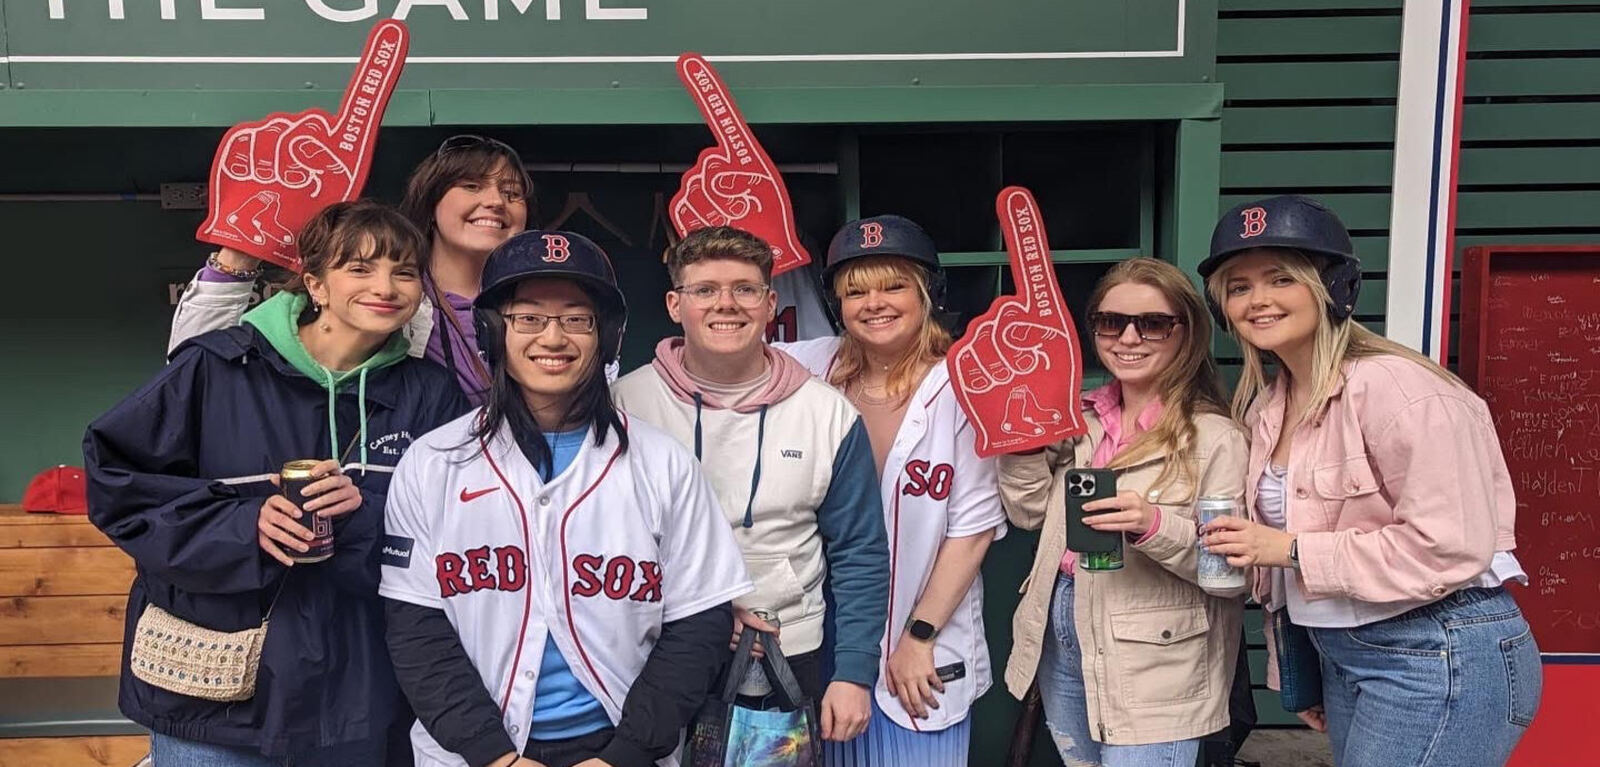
column 921, row 630
column 1294, row 553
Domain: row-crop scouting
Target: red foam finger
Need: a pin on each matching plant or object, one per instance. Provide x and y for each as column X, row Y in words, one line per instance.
column 1029, row 246
column 747, row 189
column 355, row 129
column 717, row 108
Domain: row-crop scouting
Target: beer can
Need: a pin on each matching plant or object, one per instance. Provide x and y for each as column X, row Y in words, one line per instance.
column 1101, row 561
column 756, row 684
column 293, row 479
column 1214, row 570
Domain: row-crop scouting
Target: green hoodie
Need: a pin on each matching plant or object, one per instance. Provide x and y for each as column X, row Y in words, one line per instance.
column 277, row 319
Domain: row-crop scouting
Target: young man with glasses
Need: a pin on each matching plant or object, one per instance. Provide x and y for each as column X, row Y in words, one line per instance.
column 558, row 575
column 790, row 461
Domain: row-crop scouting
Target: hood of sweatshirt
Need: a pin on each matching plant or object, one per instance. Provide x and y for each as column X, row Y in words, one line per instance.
column 788, row 375
column 277, row 319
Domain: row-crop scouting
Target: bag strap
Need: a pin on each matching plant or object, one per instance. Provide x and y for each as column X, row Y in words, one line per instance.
column 791, row 697
column 742, row 658
column 449, row 313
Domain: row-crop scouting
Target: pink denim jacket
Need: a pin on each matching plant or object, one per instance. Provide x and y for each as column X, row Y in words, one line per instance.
column 1398, row 490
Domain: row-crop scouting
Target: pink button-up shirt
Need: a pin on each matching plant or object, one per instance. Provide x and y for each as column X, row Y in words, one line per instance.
column 1398, row 490
column 1106, row 402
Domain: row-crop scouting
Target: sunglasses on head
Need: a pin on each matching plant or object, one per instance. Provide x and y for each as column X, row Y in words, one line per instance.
column 1152, row 326
column 470, row 141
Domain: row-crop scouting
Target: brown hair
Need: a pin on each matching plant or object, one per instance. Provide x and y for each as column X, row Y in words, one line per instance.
column 878, row 273
column 358, row 230
column 716, row 242
column 459, row 158
column 1188, row 387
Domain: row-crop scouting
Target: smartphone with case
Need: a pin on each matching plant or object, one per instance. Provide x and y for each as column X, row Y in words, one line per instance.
column 1083, row 486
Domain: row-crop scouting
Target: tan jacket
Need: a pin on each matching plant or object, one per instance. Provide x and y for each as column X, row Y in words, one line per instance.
column 1158, row 652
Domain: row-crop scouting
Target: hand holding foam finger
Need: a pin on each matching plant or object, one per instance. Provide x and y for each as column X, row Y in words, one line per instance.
column 272, row 175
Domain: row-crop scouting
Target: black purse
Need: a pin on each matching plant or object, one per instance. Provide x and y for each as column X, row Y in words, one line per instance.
column 726, row 733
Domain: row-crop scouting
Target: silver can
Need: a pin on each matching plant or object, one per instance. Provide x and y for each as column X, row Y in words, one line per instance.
column 756, row 684
column 1215, row 572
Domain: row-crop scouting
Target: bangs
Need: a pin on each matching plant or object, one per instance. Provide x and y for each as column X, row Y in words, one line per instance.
column 352, row 245
column 878, row 273
column 481, row 164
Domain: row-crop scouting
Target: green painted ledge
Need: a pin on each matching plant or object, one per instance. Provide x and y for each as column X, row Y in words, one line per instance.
column 626, row 106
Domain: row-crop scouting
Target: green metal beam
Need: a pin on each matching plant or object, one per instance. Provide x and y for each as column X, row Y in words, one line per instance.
column 21, row 108
column 1198, row 167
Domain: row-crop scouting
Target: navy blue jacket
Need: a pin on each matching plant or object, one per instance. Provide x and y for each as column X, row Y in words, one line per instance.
column 177, row 474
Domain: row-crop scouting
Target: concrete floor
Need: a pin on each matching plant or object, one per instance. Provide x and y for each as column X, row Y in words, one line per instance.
column 1287, row 748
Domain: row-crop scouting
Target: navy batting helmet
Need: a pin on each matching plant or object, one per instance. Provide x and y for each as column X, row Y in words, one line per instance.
column 1297, row 223
column 885, row 236
column 562, row 255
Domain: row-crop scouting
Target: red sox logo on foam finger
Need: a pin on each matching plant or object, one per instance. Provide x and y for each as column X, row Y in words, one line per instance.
column 1018, row 372
column 734, row 183
column 271, row 176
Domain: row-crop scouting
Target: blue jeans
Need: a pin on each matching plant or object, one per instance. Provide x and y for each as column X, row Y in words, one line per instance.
column 1451, row 684
column 167, row 751
column 1066, row 708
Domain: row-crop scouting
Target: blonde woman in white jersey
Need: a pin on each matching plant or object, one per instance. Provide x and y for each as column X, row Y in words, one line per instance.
column 941, row 501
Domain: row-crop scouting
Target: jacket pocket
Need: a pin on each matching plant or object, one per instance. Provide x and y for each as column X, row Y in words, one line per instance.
column 1348, row 478
column 1339, row 482
column 1162, row 655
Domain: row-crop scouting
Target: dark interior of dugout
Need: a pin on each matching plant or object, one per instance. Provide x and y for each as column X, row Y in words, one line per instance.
column 96, row 258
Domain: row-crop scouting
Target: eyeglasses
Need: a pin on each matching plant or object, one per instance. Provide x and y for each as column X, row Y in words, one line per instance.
column 470, row 141
column 533, row 324
column 705, row 295
column 1153, row 326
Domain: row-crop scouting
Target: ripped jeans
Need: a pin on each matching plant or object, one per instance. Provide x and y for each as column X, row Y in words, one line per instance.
column 1066, row 710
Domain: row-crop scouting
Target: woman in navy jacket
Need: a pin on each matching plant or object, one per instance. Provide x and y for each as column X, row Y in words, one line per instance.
column 181, row 477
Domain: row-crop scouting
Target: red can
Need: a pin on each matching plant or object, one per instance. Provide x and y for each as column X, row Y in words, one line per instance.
column 294, row 478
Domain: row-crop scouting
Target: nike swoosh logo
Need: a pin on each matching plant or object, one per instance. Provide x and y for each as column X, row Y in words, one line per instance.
column 467, row 497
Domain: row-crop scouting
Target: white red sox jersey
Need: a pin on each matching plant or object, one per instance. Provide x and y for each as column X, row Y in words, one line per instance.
column 934, row 487
column 597, row 559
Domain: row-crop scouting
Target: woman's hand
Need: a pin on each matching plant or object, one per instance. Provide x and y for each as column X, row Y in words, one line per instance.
column 278, row 531
column 1314, row 717
column 912, row 677
column 1127, row 512
column 1246, row 543
column 333, row 494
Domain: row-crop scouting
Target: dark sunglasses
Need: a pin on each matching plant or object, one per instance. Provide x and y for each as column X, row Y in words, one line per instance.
column 1153, row 326
column 469, row 141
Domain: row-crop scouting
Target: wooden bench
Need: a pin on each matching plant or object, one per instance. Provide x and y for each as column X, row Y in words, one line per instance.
column 63, row 595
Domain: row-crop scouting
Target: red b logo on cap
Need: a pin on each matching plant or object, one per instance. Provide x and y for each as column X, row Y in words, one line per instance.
column 1255, row 221
column 871, row 235
column 555, row 248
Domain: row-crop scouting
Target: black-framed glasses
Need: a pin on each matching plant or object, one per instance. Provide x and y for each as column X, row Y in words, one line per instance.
column 1151, row 326
column 533, row 324
column 704, row 295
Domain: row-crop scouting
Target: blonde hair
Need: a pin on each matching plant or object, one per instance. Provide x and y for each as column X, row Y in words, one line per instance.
column 930, row 345
column 1334, row 341
column 1187, row 387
